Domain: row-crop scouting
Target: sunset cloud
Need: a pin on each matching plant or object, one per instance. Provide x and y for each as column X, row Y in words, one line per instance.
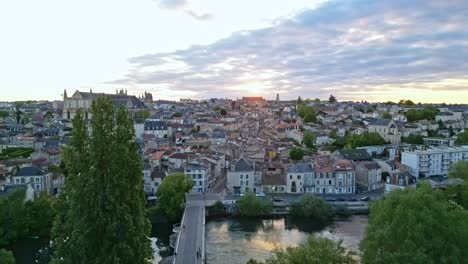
column 348, row 48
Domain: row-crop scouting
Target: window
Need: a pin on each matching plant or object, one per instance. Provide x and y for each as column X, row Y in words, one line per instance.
column 241, row 182
column 298, row 177
column 318, row 182
column 246, row 176
column 38, row 179
column 329, row 182
column 281, row 189
column 246, row 182
column 290, row 177
column 23, row 180
column 242, row 176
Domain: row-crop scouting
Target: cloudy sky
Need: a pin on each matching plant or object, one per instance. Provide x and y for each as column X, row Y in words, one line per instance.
column 355, row 49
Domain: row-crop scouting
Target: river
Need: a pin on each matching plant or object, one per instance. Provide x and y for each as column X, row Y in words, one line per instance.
column 235, row 241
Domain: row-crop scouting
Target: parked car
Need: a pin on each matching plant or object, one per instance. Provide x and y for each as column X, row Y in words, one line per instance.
column 341, row 199
column 365, row 198
column 352, row 199
column 329, row 199
column 260, row 194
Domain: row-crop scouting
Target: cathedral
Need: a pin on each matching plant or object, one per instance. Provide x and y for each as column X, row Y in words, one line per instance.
column 84, row 100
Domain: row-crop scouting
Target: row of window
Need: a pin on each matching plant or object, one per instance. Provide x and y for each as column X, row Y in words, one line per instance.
column 242, row 182
column 27, row 180
column 246, row 176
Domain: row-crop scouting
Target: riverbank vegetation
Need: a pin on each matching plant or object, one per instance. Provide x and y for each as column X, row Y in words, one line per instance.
column 171, row 194
column 311, row 207
column 416, row 226
column 251, row 205
column 20, row 219
column 313, row 251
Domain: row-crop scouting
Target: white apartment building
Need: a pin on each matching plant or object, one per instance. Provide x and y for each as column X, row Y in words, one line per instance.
column 433, row 162
column 199, row 173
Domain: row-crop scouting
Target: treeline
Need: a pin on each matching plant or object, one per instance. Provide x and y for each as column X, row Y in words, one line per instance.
column 20, row 219
column 354, row 141
column 427, row 113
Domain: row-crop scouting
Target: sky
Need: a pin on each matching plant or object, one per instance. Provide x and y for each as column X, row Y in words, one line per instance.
column 354, row 49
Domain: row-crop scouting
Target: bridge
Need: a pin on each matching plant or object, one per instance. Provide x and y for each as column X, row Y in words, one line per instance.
column 190, row 245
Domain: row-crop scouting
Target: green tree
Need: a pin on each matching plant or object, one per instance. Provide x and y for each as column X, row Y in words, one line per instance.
column 462, row 138
column 313, row 251
column 427, row 113
column 6, row 257
column 366, row 139
column 406, row 102
column 39, row 216
column 413, row 139
column 177, row 114
column 416, row 226
column 216, row 108
column 4, row 114
column 332, row 99
column 142, row 114
column 217, row 209
column 12, row 218
column 310, row 206
column 309, row 139
column 223, row 112
column 310, row 117
column 296, row 154
column 171, row 195
column 251, row 205
column 386, row 115
column 459, row 169
column 101, row 214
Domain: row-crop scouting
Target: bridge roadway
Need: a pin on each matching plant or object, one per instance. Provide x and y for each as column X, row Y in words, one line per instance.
column 191, row 237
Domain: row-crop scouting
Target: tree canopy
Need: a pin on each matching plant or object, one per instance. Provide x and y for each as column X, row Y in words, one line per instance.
column 309, row 139
column 310, row 206
column 427, row 113
column 142, row 114
column 171, row 194
column 223, row 112
column 406, row 102
column 332, row 99
column 6, row 257
column 20, row 219
column 366, row 139
column 296, row 154
column 177, row 114
column 251, row 205
column 413, row 139
column 306, row 112
column 462, row 138
column 313, row 251
column 459, row 169
column 386, row 115
column 101, row 216
column 4, row 114
column 416, row 226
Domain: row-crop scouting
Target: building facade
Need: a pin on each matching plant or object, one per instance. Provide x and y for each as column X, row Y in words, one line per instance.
column 433, row 162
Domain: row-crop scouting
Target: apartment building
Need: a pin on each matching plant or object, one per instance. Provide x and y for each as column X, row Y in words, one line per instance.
column 433, row 162
column 330, row 176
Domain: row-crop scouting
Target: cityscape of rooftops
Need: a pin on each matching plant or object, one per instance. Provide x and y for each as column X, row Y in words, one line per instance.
column 234, row 132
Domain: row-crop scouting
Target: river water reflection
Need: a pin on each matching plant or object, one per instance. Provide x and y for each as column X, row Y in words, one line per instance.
column 235, row 241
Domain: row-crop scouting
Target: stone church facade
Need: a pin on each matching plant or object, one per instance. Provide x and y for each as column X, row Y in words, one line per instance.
column 84, row 100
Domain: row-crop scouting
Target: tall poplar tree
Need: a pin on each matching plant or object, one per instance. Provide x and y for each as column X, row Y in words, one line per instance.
column 101, row 215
